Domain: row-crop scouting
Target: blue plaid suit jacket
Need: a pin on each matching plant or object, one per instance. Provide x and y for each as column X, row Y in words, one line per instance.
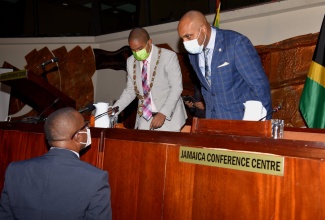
column 237, row 76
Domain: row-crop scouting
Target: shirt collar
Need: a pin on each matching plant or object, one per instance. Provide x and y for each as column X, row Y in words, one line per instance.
column 66, row 149
column 212, row 39
column 150, row 55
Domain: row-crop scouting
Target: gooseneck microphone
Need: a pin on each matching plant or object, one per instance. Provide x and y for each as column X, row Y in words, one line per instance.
column 53, row 60
column 89, row 107
column 45, row 110
column 114, row 110
column 274, row 110
column 39, row 117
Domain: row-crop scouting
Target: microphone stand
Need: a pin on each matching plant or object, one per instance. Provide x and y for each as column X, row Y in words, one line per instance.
column 35, row 120
column 43, row 74
column 53, row 60
column 273, row 110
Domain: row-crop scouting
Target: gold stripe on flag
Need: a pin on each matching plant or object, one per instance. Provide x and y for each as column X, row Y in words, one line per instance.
column 317, row 73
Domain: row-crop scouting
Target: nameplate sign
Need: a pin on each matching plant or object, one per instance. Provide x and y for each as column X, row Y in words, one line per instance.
column 13, row 75
column 237, row 160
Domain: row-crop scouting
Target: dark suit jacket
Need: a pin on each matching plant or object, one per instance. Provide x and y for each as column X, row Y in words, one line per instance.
column 237, row 76
column 56, row 186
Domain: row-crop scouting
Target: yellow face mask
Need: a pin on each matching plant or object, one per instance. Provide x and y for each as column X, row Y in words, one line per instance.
column 141, row 54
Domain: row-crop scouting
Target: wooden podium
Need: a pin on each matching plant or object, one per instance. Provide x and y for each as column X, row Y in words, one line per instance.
column 36, row 92
column 148, row 180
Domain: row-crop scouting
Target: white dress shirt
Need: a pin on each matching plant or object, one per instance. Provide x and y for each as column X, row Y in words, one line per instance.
column 211, row 48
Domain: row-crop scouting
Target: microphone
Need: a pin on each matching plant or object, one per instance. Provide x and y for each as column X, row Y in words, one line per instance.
column 45, row 110
column 89, row 107
column 276, row 109
column 114, row 111
column 53, row 60
column 38, row 118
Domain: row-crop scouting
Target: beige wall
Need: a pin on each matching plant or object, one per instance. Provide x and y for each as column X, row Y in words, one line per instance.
column 264, row 24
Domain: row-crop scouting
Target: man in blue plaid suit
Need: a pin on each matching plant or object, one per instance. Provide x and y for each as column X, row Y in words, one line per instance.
column 230, row 73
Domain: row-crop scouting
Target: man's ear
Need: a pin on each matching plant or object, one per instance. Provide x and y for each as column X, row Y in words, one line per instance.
column 204, row 30
column 77, row 137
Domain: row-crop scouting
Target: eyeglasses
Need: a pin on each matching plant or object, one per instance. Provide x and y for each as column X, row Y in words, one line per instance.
column 86, row 125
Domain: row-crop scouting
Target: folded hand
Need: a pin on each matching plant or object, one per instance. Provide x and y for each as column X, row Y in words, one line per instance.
column 157, row 121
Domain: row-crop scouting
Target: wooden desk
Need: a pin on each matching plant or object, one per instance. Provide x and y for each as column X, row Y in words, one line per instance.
column 148, row 181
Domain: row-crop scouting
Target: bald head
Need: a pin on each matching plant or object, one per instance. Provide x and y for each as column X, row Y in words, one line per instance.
column 138, row 34
column 193, row 18
column 191, row 24
column 61, row 124
column 139, row 39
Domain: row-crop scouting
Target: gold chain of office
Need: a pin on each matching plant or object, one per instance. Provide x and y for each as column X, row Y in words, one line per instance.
column 140, row 97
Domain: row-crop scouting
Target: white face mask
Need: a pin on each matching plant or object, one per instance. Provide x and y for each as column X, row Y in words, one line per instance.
column 192, row 46
column 88, row 137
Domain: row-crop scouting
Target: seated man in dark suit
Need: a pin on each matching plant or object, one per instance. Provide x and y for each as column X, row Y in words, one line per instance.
column 57, row 185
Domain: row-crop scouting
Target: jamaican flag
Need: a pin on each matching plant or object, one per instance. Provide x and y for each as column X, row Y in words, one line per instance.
column 312, row 101
column 217, row 17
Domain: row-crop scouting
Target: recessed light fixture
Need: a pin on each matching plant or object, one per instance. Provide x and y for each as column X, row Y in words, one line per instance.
column 65, row 4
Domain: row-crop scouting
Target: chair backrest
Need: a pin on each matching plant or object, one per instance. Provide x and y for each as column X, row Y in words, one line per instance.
column 232, row 127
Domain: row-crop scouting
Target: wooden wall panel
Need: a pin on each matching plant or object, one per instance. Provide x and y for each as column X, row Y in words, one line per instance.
column 91, row 153
column 286, row 63
column 321, row 190
column 179, row 186
column 71, row 74
column 203, row 192
column 16, row 145
column 136, row 178
column 301, row 187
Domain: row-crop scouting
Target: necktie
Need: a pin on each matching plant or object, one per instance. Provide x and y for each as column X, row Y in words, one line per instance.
column 207, row 69
column 146, row 108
